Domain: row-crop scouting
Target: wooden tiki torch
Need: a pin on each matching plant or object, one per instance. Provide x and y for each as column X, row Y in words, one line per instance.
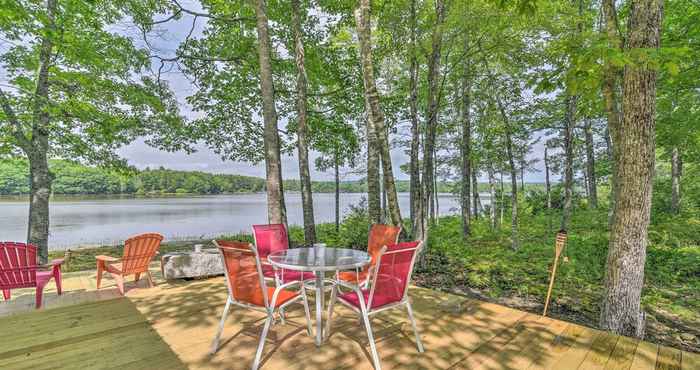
column 558, row 248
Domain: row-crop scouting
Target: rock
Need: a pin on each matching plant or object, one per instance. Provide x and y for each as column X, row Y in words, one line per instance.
column 687, row 337
column 180, row 265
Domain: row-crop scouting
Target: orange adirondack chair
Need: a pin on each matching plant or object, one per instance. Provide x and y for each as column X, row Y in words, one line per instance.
column 138, row 253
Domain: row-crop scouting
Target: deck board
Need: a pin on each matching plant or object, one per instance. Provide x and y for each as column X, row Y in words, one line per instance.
column 172, row 325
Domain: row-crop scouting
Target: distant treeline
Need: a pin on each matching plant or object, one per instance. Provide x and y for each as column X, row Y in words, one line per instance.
column 74, row 178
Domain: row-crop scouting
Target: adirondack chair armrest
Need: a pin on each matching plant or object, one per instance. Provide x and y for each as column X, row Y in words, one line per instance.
column 106, row 258
column 56, row 262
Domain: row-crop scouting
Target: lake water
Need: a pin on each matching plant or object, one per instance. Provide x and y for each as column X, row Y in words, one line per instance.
column 109, row 220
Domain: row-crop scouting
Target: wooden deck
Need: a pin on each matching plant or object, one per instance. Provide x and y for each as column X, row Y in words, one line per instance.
column 171, row 327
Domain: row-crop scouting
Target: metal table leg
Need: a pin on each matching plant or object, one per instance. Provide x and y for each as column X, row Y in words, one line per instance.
column 319, row 307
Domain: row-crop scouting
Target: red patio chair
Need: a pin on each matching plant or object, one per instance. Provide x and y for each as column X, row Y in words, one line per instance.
column 379, row 236
column 272, row 238
column 138, row 253
column 19, row 269
column 247, row 288
column 388, row 289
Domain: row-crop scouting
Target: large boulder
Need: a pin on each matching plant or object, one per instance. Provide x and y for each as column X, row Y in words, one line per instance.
column 180, row 265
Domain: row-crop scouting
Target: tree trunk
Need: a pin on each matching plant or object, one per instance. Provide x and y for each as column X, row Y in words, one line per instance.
column 503, row 200
column 492, row 197
column 307, row 202
column 522, row 178
column 590, row 167
column 568, row 159
column 634, row 145
column 513, row 178
column 39, row 176
column 476, row 206
column 436, row 210
column 336, row 168
column 374, row 203
column 465, row 149
column 276, row 209
column 416, row 197
column 676, row 173
column 432, row 112
column 375, row 114
column 611, row 78
column 547, row 184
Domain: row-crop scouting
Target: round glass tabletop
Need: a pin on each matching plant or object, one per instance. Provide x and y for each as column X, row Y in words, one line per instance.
column 319, row 259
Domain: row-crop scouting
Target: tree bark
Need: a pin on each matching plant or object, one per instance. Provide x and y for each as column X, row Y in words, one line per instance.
column 513, row 178
column 568, row 134
column 375, row 114
column 522, row 178
column 276, row 209
column 634, row 145
column 465, row 149
column 547, row 184
column 492, row 197
column 417, row 218
column 503, row 200
column 611, row 78
column 307, row 202
column 590, row 167
column 336, row 168
column 39, row 175
column 432, row 113
column 374, row 203
column 676, row 173
column 475, row 195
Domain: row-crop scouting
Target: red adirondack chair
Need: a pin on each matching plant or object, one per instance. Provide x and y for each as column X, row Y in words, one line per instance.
column 19, row 269
column 138, row 253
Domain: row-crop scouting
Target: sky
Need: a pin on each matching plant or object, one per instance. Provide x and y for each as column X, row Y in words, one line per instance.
column 165, row 39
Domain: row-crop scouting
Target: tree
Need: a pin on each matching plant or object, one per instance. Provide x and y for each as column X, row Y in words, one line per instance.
column 307, row 201
column 77, row 90
column 375, row 116
column 276, row 209
column 633, row 142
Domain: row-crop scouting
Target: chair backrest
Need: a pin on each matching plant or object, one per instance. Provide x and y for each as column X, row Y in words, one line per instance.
column 244, row 277
column 270, row 238
column 391, row 275
column 18, row 265
column 139, row 251
column 380, row 236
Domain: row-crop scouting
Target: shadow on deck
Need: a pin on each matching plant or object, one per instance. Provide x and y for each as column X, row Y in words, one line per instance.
column 171, row 326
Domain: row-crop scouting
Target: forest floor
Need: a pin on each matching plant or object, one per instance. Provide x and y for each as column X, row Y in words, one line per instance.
column 487, row 268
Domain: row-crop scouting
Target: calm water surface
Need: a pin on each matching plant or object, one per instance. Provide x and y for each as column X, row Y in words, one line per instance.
column 92, row 221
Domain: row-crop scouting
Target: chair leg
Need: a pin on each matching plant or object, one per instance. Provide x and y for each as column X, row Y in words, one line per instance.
column 373, row 347
column 215, row 343
column 137, row 276
column 334, row 294
column 57, row 279
column 307, row 312
column 282, row 315
column 119, row 279
column 39, row 296
column 419, row 343
column 151, row 283
column 6, row 294
column 261, row 345
column 100, row 271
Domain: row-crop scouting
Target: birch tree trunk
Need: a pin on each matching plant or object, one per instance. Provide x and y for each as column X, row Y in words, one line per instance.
column 276, row 209
column 307, row 202
column 633, row 142
column 336, row 168
column 465, row 152
column 590, row 167
column 568, row 134
column 547, row 184
column 492, row 197
column 374, row 203
column 513, row 178
column 376, row 116
column 475, row 194
column 432, row 112
column 676, row 173
column 417, row 218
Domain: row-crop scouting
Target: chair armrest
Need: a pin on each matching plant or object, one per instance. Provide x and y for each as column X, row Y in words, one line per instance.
column 106, row 258
column 56, row 262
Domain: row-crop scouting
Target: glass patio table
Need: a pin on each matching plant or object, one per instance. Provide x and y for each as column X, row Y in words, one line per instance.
column 319, row 260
